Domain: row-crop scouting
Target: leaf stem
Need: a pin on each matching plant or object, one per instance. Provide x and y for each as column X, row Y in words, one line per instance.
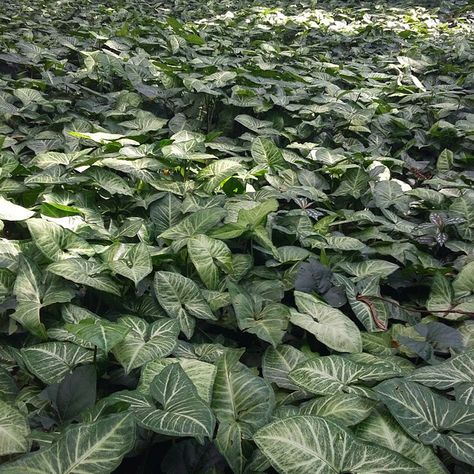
column 423, row 311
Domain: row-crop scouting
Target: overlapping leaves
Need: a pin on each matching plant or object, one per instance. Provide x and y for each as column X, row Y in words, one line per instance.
column 248, row 225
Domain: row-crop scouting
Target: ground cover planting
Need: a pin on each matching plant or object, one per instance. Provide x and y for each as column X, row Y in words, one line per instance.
column 236, row 237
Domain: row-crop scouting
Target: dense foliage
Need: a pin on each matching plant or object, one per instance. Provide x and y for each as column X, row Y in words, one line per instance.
column 236, row 237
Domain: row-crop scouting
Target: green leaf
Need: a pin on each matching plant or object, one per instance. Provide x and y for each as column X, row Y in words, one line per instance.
column 242, row 402
column 165, row 212
column 14, row 430
column 208, row 255
column 369, row 268
column 56, row 242
column 389, row 193
column 97, row 447
column 256, row 215
column 85, row 272
column 253, row 123
column 371, row 306
column 144, row 122
column 429, row 417
column 278, row 362
column 457, row 370
column 28, row 96
column 145, row 342
column 13, row 212
column 51, row 361
column 241, row 396
column 248, row 220
column 201, row 374
column 99, row 332
column 182, row 299
column 215, row 173
column 135, row 264
column 265, row 152
column 200, row 222
column 441, row 295
column 329, row 325
column 382, row 430
column 463, row 207
column 184, row 413
column 74, row 394
column 345, row 408
column 54, row 158
column 340, row 242
column 8, row 388
column 33, row 292
column 268, row 322
column 99, row 137
column 445, row 160
column 463, row 285
column 334, row 374
column 355, row 183
column 229, row 443
column 53, row 209
column 108, row 181
column 309, row 444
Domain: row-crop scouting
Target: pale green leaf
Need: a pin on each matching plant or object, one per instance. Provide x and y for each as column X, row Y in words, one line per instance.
column 208, row 256
column 345, row 408
column 463, row 285
column 145, row 342
column 51, row 361
column 56, row 242
column 165, row 212
column 182, row 299
column 33, row 291
column 382, row 430
column 448, row 374
column 369, row 268
column 184, row 413
column 144, row 122
column 201, row 374
column 96, row 447
column 336, row 374
column 135, row 264
column 108, row 181
column 429, row 417
column 241, row 396
column 266, row 321
column 98, row 332
column 199, row 222
column 13, row 212
column 332, row 327
column 278, row 362
column 14, row 430
column 310, row 444
column 85, row 272
column 215, row 173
